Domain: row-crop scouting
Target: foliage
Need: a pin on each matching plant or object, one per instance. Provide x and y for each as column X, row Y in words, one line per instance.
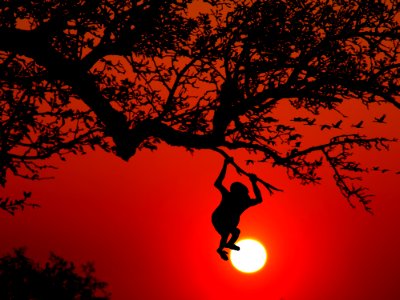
column 127, row 75
column 22, row 278
column 11, row 205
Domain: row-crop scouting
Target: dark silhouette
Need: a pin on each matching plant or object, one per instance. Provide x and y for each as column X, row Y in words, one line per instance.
column 293, row 137
column 310, row 122
column 12, row 205
column 380, row 119
column 121, row 76
column 23, row 279
column 337, row 124
column 358, row 125
column 226, row 216
column 325, row 126
column 300, row 119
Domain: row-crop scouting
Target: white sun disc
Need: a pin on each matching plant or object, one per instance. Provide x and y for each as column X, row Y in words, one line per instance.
column 251, row 257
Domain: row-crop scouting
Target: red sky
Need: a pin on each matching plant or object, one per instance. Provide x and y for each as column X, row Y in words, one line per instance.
column 146, row 224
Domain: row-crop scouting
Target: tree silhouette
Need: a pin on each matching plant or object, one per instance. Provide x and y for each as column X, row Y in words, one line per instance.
column 127, row 75
column 22, row 278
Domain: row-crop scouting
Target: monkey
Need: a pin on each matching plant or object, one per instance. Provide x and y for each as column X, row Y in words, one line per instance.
column 226, row 216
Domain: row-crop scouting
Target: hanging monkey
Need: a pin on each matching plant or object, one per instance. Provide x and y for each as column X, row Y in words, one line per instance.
column 226, row 216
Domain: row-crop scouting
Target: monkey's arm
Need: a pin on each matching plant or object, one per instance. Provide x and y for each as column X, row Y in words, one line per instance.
column 218, row 183
column 256, row 190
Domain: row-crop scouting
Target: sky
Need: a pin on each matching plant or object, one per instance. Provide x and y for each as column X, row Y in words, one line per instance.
column 146, row 224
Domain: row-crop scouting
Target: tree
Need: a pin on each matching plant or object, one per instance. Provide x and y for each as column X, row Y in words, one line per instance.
column 128, row 75
column 22, row 278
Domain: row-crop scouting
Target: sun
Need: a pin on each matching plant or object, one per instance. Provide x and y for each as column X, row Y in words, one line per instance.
column 251, row 257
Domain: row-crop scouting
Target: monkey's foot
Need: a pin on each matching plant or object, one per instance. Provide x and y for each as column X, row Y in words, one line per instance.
column 233, row 246
column 223, row 254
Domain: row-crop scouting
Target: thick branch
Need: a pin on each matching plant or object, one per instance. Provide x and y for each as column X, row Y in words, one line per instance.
column 34, row 44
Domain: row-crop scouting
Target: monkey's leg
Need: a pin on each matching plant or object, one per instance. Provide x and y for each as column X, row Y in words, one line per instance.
column 233, row 239
column 222, row 245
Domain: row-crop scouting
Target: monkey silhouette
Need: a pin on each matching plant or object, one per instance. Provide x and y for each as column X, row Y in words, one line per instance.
column 226, row 216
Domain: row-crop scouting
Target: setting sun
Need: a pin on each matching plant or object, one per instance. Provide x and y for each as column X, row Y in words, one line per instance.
column 251, row 257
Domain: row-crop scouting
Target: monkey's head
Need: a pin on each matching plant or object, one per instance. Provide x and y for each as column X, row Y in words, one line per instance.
column 239, row 189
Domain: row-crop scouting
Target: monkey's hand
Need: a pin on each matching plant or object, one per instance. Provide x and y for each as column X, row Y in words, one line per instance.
column 253, row 177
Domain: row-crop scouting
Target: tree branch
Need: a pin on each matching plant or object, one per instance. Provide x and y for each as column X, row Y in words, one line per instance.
column 240, row 171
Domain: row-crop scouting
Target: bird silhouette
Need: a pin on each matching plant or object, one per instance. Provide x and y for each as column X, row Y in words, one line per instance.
column 337, row 124
column 380, row 119
column 310, row 122
column 358, row 125
column 299, row 119
column 325, row 126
